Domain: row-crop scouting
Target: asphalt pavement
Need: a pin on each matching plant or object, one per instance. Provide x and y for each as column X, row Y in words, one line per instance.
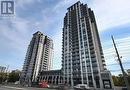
column 2, row 87
column 6, row 87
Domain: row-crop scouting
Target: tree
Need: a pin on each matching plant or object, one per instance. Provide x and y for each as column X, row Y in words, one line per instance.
column 128, row 71
column 115, row 80
column 119, row 80
column 14, row 76
column 3, row 77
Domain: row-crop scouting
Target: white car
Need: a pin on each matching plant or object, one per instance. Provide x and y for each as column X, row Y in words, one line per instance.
column 17, row 82
column 82, row 87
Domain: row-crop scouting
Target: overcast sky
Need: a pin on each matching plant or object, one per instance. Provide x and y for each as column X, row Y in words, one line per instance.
column 112, row 16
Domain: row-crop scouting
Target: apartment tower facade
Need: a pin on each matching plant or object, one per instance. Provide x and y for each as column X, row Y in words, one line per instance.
column 38, row 57
column 82, row 56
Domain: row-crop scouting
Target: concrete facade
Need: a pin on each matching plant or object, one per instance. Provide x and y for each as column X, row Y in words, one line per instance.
column 53, row 77
column 82, row 56
column 38, row 57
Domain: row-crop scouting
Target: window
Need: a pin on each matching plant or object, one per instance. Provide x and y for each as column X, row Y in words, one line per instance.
column 83, row 25
column 84, row 32
column 83, row 64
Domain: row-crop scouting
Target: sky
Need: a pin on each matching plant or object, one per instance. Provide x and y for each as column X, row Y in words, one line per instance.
column 112, row 17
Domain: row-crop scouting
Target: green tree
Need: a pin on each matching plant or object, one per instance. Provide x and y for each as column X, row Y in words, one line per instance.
column 3, row 77
column 128, row 71
column 121, row 80
column 115, row 80
column 14, row 76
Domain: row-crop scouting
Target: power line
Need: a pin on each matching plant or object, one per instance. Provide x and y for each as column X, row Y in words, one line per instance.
column 118, row 70
column 120, row 63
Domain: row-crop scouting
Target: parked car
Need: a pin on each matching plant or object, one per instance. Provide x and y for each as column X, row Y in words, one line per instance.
column 82, row 87
column 17, row 82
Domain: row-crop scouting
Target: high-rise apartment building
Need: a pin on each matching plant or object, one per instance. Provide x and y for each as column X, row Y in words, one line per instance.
column 38, row 57
column 82, row 56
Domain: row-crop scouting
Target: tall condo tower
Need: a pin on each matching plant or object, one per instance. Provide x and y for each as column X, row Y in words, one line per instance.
column 82, row 56
column 38, row 57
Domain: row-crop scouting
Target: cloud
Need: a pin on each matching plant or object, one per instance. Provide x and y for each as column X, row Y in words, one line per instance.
column 15, row 30
column 57, row 50
column 111, row 13
column 14, row 39
column 15, row 33
column 22, row 4
column 123, row 46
